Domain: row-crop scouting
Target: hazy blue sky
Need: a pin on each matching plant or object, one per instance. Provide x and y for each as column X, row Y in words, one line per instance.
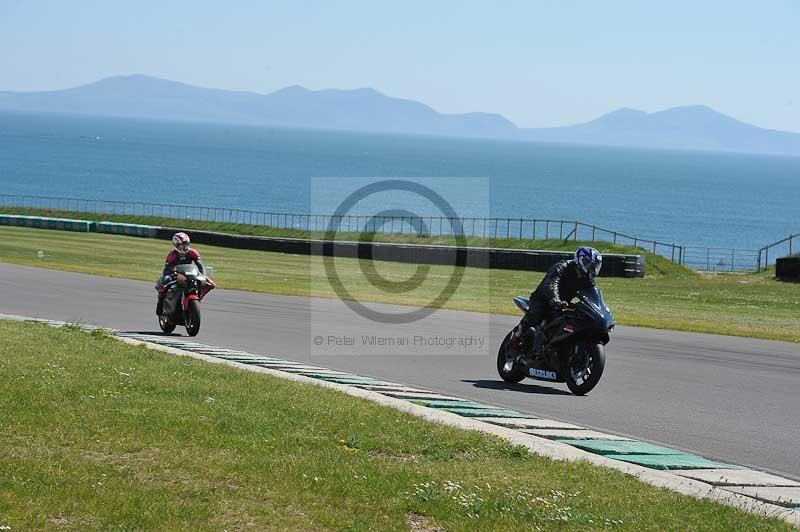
column 539, row 63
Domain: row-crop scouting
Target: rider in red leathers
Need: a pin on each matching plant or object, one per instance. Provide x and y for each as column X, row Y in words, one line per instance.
column 182, row 254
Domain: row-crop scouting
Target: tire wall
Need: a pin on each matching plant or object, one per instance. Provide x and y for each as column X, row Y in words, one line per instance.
column 40, row 222
column 614, row 265
column 788, row 269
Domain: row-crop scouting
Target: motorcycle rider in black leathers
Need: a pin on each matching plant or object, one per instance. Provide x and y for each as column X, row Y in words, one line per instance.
column 562, row 282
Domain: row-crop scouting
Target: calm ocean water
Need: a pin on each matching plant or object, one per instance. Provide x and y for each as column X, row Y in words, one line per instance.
column 708, row 199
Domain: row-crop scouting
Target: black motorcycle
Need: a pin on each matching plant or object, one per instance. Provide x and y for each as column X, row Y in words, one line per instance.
column 184, row 291
column 572, row 346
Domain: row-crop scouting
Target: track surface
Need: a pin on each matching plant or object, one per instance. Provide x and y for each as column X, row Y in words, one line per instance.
column 730, row 399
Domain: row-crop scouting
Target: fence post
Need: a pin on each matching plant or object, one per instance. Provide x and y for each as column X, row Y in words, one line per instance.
column 520, row 228
column 790, row 243
column 615, row 238
column 708, row 259
column 733, row 257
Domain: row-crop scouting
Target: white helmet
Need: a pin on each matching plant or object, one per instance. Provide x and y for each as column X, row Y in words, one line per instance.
column 181, row 242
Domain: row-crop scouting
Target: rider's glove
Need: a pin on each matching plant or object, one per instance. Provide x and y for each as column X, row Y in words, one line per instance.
column 560, row 305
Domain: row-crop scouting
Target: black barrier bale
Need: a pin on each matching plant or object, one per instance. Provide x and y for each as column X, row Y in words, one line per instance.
column 614, row 265
column 788, row 269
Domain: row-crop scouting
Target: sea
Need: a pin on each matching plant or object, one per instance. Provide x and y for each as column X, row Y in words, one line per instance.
column 691, row 198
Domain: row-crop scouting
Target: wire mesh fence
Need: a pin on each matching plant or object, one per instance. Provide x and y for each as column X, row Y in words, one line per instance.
column 703, row 258
column 720, row 259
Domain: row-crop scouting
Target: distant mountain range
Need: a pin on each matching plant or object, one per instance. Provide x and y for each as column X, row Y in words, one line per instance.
column 694, row 127
column 138, row 96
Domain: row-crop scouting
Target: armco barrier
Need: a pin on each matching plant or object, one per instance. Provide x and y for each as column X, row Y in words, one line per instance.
column 149, row 231
column 39, row 222
column 614, row 265
column 788, row 269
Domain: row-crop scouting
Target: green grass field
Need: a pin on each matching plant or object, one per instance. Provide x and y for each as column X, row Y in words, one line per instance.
column 753, row 305
column 99, row 435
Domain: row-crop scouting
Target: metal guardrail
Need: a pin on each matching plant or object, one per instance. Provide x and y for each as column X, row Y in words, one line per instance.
column 781, row 248
column 720, row 259
column 702, row 258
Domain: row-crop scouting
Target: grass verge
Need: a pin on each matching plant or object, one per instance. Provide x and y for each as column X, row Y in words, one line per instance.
column 753, row 305
column 98, row 435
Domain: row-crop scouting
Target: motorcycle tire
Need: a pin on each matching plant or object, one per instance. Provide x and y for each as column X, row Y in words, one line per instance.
column 193, row 318
column 517, row 372
column 581, row 380
column 167, row 326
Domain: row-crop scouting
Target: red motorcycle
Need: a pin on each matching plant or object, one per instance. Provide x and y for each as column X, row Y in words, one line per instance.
column 184, row 292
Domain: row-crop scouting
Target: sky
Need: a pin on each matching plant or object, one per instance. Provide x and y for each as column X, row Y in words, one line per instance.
column 539, row 63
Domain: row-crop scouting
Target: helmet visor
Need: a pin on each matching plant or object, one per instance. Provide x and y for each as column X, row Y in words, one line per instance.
column 591, row 267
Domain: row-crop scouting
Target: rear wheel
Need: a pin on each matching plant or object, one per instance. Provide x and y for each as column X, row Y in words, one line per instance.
column 193, row 318
column 167, row 326
column 585, row 367
column 507, row 366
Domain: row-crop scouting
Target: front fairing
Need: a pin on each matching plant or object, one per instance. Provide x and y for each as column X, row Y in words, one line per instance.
column 593, row 304
column 589, row 318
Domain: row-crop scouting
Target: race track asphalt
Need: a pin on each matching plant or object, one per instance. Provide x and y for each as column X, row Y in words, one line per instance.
column 730, row 399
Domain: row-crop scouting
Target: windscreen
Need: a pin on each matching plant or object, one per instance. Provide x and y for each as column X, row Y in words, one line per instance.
column 189, row 270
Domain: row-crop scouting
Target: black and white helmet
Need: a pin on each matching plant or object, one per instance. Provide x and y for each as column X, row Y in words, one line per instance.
column 589, row 260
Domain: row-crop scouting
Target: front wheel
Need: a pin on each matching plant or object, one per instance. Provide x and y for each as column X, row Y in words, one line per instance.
column 167, row 326
column 585, row 367
column 507, row 366
column 193, row 318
